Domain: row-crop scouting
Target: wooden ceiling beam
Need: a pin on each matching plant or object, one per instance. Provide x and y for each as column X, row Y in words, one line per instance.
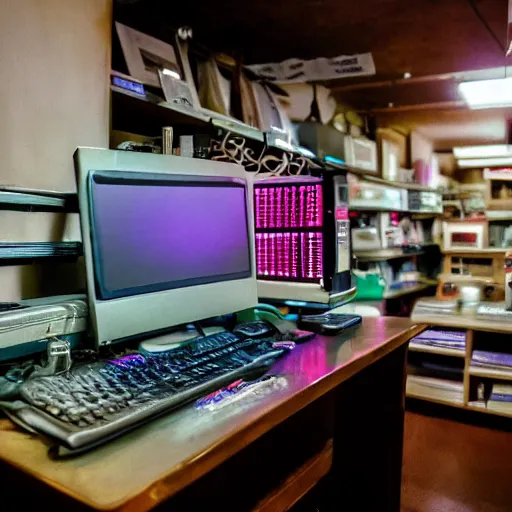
column 420, row 106
column 479, row 74
column 392, row 83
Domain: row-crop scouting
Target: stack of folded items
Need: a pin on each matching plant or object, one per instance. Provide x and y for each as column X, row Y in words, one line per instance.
column 444, row 339
column 28, row 250
column 438, row 307
column 495, row 360
column 441, row 389
column 501, row 398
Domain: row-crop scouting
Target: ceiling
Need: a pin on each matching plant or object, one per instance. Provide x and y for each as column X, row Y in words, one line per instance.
column 426, row 38
column 453, row 127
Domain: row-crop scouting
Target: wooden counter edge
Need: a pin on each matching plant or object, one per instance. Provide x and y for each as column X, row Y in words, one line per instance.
column 464, row 322
column 191, row 470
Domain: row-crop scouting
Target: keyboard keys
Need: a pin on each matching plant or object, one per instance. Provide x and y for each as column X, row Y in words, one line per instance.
column 97, row 393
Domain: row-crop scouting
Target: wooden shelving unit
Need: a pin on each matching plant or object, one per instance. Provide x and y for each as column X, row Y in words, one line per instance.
column 299, row 483
column 490, row 373
column 385, row 254
column 417, row 387
column 459, row 321
column 474, row 327
column 395, row 184
column 139, row 115
column 418, row 347
column 486, row 252
column 406, row 290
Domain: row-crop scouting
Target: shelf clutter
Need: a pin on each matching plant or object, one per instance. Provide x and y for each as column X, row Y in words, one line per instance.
column 213, row 107
column 450, row 343
column 456, row 362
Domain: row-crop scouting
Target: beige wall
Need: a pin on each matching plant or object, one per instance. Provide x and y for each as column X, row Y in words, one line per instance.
column 54, row 72
column 421, row 148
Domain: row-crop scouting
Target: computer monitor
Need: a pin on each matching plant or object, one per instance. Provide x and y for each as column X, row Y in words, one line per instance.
column 167, row 240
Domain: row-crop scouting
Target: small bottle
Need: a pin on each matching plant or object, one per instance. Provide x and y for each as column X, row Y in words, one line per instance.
column 508, row 280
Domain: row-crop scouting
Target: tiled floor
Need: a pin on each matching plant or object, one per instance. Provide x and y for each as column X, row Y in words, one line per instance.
column 451, row 466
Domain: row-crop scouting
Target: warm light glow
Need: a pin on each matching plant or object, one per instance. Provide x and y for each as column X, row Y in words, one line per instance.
column 283, row 144
column 487, row 93
column 170, row 72
column 484, row 162
column 491, row 150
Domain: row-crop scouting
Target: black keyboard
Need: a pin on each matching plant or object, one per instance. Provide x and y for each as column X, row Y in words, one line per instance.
column 95, row 402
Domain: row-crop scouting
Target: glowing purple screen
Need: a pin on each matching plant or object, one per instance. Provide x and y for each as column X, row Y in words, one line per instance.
column 147, row 234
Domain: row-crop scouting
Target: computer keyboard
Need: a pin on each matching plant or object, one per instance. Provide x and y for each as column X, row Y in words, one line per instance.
column 95, row 402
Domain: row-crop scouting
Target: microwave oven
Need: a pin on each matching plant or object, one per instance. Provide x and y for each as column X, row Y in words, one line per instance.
column 302, row 232
column 332, row 146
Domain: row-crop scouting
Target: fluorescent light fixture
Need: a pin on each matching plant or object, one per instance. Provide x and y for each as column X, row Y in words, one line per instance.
column 491, row 150
column 469, row 163
column 170, row 72
column 487, row 93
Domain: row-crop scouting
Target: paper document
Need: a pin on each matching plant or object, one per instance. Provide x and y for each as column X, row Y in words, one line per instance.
column 297, row 70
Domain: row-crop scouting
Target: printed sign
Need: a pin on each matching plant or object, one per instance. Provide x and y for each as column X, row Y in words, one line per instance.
column 296, row 70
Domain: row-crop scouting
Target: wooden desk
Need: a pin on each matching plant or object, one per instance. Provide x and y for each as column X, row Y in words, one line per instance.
column 351, row 386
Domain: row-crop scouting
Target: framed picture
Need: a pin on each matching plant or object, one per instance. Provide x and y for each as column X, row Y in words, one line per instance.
column 145, row 56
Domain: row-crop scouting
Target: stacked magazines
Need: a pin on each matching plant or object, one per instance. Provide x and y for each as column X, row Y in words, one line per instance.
column 454, row 340
column 434, row 307
column 501, row 398
column 441, row 390
column 493, row 360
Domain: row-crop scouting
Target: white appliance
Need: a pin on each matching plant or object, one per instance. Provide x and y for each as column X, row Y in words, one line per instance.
column 366, row 239
column 360, row 153
column 368, row 195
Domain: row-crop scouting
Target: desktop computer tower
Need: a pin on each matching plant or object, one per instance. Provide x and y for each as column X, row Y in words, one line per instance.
column 303, row 238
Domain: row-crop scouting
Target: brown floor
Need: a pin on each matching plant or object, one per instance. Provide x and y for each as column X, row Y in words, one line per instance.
column 451, row 466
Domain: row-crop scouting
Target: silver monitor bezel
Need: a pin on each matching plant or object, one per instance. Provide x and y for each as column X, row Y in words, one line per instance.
column 119, row 318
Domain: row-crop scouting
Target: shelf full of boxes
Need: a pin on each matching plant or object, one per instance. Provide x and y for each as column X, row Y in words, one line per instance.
column 392, row 236
column 388, row 209
column 464, row 358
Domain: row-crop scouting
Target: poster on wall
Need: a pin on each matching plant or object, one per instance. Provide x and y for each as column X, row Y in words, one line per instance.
column 296, row 70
